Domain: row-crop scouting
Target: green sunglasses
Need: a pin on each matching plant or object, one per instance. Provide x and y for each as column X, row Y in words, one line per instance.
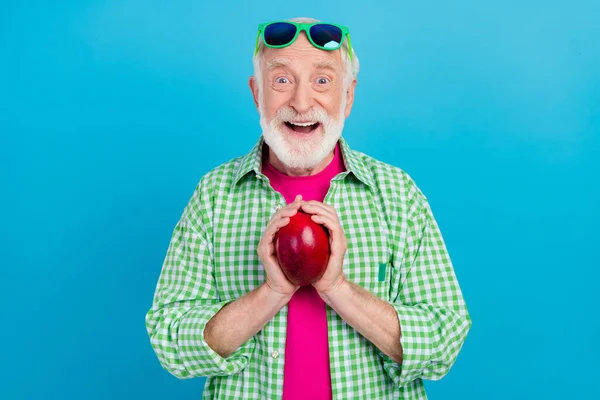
column 323, row 36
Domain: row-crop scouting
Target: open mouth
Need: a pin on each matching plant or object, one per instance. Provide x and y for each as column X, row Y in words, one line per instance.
column 302, row 127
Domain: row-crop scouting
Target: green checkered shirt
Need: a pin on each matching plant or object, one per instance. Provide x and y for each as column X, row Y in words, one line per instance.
column 395, row 251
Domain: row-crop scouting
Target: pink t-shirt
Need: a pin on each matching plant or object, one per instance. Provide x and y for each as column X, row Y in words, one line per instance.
column 306, row 372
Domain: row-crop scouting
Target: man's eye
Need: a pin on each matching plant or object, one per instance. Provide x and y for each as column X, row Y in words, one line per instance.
column 282, row 80
column 322, row 81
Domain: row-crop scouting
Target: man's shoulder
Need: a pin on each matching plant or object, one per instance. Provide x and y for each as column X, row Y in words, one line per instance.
column 381, row 168
column 222, row 175
column 214, row 184
column 387, row 177
column 395, row 188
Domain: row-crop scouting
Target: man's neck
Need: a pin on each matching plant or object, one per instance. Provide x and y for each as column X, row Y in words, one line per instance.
column 284, row 169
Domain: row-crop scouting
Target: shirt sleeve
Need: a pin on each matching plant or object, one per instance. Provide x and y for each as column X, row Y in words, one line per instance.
column 185, row 300
column 433, row 317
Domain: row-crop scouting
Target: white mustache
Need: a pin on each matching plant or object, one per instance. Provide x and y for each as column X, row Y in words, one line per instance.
column 289, row 114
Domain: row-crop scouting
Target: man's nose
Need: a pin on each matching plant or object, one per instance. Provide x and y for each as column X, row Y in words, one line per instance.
column 302, row 99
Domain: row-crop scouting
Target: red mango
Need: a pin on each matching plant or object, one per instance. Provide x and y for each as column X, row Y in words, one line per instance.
column 302, row 249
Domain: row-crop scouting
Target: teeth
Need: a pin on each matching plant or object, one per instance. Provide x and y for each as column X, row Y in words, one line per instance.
column 302, row 123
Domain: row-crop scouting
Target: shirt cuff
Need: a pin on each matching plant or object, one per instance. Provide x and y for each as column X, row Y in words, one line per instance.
column 197, row 356
column 417, row 345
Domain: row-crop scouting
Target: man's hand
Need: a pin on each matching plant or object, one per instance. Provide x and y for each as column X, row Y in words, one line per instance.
column 276, row 280
column 327, row 216
column 241, row 319
column 372, row 317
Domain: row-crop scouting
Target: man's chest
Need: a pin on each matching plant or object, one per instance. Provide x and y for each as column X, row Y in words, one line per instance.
column 239, row 225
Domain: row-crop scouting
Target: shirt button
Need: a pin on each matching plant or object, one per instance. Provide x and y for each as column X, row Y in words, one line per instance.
column 275, row 354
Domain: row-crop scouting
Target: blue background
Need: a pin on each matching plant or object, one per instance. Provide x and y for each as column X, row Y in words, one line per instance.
column 111, row 111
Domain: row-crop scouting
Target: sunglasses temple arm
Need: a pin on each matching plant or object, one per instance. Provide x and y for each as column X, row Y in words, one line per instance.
column 349, row 46
column 257, row 38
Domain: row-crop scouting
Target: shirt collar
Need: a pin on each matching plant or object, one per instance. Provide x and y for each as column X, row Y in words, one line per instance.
column 252, row 161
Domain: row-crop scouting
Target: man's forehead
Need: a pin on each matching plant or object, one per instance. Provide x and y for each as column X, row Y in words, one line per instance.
column 286, row 62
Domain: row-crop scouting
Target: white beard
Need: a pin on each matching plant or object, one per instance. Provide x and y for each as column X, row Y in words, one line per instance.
column 305, row 154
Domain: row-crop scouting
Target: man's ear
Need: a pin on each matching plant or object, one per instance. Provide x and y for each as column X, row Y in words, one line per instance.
column 254, row 88
column 350, row 98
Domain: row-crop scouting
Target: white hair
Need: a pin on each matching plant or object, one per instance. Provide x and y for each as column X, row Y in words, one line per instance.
column 350, row 66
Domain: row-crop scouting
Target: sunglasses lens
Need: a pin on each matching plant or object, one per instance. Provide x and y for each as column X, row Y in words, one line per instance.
column 279, row 33
column 326, row 36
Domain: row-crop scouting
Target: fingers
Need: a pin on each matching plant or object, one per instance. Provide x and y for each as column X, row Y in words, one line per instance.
column 281, row 218
column 332, row 225
column 274, row 228
column 314, row 207
column 266, row 247
column 287, row 211
column 327, row 216
column 337, row 237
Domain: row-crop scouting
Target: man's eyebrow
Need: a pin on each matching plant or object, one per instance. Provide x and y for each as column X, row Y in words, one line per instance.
column 324, row 65
column 278, row 62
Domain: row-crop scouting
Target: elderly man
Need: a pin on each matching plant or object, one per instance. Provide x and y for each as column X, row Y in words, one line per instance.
column 388, row 311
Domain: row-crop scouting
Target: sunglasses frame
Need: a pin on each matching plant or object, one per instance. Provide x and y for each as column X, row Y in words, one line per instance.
column 299, row 28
